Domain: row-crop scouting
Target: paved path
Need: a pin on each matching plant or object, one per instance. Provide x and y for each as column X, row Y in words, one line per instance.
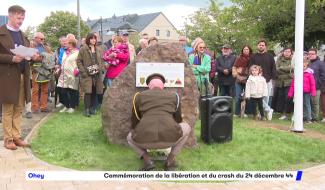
column 13, row 165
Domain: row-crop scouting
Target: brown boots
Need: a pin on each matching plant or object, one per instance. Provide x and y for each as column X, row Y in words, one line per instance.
column 170, row 164
column 148, row 163
column 9, row 144
column 12, row 144
column 21, row 143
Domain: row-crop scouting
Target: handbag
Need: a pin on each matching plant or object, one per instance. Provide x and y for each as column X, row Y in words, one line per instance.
column 93, row 69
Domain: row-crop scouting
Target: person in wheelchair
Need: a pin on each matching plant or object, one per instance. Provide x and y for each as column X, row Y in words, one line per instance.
column 157, row 123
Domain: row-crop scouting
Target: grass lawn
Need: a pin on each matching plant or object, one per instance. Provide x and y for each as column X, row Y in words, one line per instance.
column 74, row 141
column 319, row 127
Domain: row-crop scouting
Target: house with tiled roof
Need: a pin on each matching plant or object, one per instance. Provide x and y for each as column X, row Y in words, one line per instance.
column 154, row 24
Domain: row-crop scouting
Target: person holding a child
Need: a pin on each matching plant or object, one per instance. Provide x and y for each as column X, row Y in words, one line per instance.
column 117, row 58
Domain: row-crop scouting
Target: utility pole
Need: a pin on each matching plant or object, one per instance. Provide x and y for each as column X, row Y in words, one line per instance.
column 101, row 28
column 78, row 25
column 299, row 48
column 185, row 27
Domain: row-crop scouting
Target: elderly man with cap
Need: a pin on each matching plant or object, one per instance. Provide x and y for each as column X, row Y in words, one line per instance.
column 157, row 123
column 224, row 64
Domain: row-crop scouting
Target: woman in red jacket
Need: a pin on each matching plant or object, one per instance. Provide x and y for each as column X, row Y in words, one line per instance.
column 117, row 58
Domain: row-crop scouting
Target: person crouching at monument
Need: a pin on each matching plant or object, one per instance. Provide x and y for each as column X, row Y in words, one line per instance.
column 157, row 123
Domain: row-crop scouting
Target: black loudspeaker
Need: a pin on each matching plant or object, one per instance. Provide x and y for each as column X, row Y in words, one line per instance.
column 216, row 119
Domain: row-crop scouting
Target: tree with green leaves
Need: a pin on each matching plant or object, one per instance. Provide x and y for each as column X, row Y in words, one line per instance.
column 30, row 32
column 217, row 26
column 246, row 21
column 276, row 18
column 61, row 23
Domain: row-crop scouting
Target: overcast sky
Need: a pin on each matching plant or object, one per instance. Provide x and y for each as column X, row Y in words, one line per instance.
column 37, row 10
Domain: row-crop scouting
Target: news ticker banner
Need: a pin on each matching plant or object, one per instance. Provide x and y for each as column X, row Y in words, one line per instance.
column 164, row 176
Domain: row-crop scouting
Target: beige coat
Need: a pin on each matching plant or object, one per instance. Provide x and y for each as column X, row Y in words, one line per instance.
column 69, row 65
column 256, row 87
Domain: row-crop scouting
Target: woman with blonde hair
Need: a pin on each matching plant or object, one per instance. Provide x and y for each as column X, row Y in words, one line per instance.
column 256, row 89
column 68, row 80
column 201, row 64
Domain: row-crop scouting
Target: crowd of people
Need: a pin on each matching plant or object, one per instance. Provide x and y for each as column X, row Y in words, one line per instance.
column 261, row 79
column 73, row 72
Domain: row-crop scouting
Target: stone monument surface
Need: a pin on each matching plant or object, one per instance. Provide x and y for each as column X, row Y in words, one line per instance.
column 117, row 101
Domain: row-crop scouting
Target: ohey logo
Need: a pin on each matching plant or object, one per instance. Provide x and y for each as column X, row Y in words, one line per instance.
column 35, row 176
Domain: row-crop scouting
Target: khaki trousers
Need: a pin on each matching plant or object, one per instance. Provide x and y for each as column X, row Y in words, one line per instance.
column 36, row 87
column 12, row 115
column 176, row 148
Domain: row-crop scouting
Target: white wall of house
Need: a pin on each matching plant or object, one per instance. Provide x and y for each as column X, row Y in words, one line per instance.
column 162, row 24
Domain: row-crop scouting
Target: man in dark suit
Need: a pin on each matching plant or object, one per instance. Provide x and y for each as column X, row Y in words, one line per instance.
column 14, row 78
column 157, row 123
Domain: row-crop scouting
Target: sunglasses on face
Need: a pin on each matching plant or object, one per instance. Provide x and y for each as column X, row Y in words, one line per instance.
column 202, row 47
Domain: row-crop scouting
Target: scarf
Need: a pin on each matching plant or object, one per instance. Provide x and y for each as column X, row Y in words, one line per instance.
column 242, row 61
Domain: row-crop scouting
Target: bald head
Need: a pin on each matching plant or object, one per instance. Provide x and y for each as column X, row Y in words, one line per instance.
column 182, row 40
column 39, row 38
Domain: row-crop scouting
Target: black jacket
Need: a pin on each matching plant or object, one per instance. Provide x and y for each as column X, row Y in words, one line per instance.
column 222, row 63
column 319, row 72
column 266, row 61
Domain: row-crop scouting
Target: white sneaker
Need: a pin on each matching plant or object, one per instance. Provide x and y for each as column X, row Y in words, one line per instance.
column 245, row 115
column 323, row 120
column 270, row 114
column 70, row 110
column 63, row 110
column 283, row 117
column 59, row 105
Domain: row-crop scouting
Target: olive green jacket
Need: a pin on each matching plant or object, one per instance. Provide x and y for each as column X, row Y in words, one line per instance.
column 284, row 72
column 155, row 117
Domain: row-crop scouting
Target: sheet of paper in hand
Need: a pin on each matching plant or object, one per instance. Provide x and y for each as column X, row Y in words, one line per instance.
column 24, row 51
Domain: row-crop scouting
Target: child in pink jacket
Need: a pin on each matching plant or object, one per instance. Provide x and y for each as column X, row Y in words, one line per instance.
column 117, row 58
column 309, row 88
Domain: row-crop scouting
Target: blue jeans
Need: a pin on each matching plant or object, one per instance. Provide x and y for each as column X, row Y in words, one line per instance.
column 266, row 99
column 239, row 88
column 307, row 107
column 108, row 82
column 315, row 105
